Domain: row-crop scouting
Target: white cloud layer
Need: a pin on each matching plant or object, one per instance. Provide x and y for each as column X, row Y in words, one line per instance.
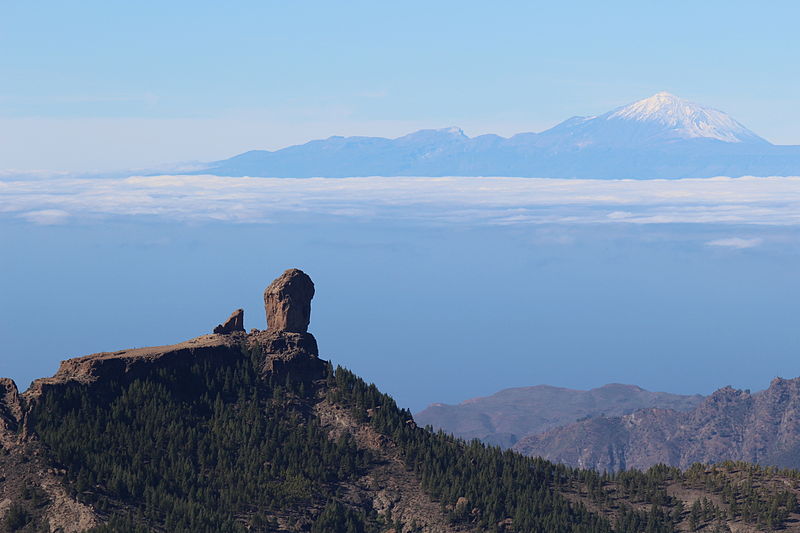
column 736, row 242
column 773, row 201
column 46, row 217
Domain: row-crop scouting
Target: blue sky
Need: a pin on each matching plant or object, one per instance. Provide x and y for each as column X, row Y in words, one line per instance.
column 97, row 85
column 438, row 289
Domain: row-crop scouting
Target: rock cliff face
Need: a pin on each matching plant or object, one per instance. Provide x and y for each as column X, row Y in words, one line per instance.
column 287, row 347
column 128, row 365
column 730, row 424
column 10, row 405
column 287, row 301
column 234, row 323
column 25, row 474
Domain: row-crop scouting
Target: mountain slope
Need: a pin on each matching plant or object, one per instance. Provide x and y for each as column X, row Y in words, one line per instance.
column 658, row 137
column 254, row 432
column 661, row 119
column 685, row 120
column 505, row 417
column 730, row 424
column 238, row 432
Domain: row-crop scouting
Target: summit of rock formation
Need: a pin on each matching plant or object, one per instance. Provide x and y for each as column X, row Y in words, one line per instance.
column 287, row 301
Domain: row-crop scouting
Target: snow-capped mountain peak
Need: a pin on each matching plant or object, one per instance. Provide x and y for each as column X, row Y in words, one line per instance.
column 685, row 119
column 659, row 137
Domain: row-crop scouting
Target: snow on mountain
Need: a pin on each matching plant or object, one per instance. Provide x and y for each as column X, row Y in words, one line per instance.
column 661, row 118
column 439, row 135
column 686, row 119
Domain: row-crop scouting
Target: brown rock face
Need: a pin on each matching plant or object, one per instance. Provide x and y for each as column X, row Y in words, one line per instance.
column 134, row 363
column 10, row 406
column 234, row 323
column 287, row 301
column 285, row 352
column 286, row 345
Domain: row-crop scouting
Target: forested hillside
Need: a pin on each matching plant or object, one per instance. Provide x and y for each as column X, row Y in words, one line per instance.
column 254, row 432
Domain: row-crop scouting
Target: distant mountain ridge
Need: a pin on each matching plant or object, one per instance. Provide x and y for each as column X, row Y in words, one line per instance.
column 662, row 136
column 512, row 414
column 731, row 424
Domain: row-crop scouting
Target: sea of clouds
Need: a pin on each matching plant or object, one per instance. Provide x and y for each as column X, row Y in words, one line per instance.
column 484, row 200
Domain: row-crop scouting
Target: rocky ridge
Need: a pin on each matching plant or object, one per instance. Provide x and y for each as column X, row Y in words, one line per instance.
column 731, row 424
column 512, row 414
column 287, row 342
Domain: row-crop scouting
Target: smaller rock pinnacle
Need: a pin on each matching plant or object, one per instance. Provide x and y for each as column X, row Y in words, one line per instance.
column 234, row 323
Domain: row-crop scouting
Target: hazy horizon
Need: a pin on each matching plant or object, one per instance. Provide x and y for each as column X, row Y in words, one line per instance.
column 206, row 81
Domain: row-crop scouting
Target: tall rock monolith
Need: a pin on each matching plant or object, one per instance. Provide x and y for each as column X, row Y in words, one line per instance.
column 287, row 301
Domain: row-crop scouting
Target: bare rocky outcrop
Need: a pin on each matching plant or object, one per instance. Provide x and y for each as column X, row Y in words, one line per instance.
column 23, row 466
column 286, row 345
column 286, row 352
column 730, row 424
column 26, row 475
column 10, row 416
column 393, row 489
column 287, row 301
column 65, row 514
column 10, row 406
column 234, row 323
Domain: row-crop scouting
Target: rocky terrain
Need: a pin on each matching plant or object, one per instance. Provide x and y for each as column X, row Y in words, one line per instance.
column 512, row 414
column 761, row 428
column 254, row 432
